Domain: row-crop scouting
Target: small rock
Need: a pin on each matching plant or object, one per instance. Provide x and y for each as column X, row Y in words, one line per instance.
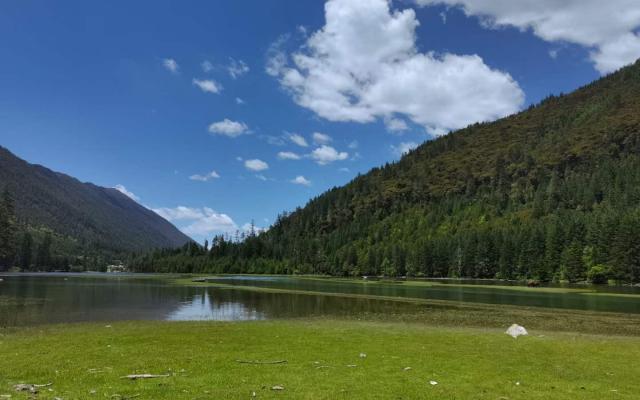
column 407, row 369
column 516, row 330
column 517, row 383
column 277, row 387
column 433, row 383
column 351, row 366
column 363, row 355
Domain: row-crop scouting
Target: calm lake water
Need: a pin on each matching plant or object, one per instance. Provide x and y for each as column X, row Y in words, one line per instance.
column 54, row 298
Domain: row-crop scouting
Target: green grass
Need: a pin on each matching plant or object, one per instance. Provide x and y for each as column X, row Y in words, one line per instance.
column 201, row 357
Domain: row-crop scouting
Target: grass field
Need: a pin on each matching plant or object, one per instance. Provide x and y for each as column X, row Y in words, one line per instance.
column 87, row 361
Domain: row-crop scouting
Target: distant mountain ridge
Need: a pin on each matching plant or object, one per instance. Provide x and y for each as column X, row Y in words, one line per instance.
column 95, row 216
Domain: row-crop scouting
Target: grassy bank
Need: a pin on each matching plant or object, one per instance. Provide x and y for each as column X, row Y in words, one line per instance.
column 323, row 362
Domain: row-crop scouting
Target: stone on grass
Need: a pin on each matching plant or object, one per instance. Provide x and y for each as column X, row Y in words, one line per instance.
column 516, row 330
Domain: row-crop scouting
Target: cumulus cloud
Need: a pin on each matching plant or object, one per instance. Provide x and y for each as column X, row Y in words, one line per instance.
column 298, row 139
column 301, row 180
column 123, row 190
column 288, row 155
column 205, row 177
column 237, row 68
column 239, row 101
column 403, row 148
column 229, row 128
column 171, row 65
column 395, row 125
column 207, row 85
column 364, row 64
column 608, row 28
column 256, row 165
column 321, row 138
column 199, row 221
column 326, row 154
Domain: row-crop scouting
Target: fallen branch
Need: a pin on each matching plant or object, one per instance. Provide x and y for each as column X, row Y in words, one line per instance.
column 261, row 362
column 28, row 387
column 143, row 376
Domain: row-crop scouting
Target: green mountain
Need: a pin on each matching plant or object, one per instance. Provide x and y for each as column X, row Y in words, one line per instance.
column 552, row 192
column 80, row 218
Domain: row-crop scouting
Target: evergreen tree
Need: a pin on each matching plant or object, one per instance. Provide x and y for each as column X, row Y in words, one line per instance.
column 26, row 251
column 573, row 263
column 7, row 230
column 43, row 255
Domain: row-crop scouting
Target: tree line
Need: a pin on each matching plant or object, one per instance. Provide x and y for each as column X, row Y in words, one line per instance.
column 39, row 249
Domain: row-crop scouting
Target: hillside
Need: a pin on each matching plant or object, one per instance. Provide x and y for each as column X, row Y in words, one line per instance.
column 81, row 215
column 552, row 192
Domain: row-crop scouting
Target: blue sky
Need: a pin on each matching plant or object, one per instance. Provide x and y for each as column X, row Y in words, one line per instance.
column 156, row 96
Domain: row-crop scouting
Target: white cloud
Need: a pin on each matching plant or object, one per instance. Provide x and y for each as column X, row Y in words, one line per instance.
column 608, row 28
column 301, row 180
column 200, row 221
column 239, row 101
column 237, row 68
column 123, row 190
column 326, row 154
column 353, row 145
column 205, row 177
column 403, row 148
column 262, row 177
column 288, row 155
column 256, row 165
column 274, row 140
column 207, row 85
column 171, row 65
column 276, row 57
column 298, row 139
column 321, row 138
column 395, row 125
column 364, row 64
column 229, row 128
column 206, row 66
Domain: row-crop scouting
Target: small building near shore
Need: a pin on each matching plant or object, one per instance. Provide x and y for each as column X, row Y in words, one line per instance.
column 119, row 267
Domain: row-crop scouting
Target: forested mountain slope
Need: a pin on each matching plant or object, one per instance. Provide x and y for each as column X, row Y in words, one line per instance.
column 552, row 192
column 92, row 217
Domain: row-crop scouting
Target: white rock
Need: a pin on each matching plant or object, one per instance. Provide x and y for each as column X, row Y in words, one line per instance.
column 516, row 330
column 433, row 383
column 363, row 355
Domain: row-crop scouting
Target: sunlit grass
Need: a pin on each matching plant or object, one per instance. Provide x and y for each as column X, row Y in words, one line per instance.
column 323, row 362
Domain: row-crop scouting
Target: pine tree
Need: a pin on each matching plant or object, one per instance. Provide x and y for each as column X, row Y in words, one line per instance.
column 573, row 264
column 43, row 255
column 26, row 251
column 7, row 229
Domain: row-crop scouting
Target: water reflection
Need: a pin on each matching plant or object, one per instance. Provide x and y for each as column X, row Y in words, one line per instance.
column 473, row 294
column 38, row 299
column 203, row 308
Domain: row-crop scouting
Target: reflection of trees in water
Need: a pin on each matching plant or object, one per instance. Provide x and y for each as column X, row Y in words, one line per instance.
column 287, row 305
column 54, row 299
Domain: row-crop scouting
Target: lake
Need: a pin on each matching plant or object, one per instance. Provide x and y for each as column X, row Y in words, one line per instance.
column 31, row 299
